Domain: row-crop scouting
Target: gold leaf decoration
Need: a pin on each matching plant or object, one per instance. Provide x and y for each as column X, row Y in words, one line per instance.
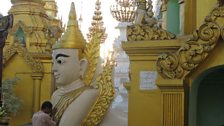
column 104, row 100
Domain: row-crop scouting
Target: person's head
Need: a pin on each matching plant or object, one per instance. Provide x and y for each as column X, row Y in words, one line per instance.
column 46, row 107
column 68, row 64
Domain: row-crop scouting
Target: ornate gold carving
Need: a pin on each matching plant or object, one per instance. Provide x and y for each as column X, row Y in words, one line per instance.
column 146, row 32
column 106, row 95
column 95, row 36
column 103, row 81
column 36, row 65
column 169, row 65
column 144, row 27
column 194, row 51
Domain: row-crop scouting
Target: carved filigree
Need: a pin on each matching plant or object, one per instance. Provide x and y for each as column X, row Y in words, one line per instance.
column 105, row 98
column 194, row 51
column 36, row 65
column 169, row 66
column 147, row 32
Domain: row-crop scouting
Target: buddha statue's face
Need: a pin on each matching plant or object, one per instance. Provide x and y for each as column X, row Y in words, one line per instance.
column 66, row 66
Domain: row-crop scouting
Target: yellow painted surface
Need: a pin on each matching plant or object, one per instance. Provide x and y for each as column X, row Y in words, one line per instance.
column 24, row 88
column 142, row 103
column 145, row 105
column 203, row 9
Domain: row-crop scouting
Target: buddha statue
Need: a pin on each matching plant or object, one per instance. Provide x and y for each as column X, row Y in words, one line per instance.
column 76, row 102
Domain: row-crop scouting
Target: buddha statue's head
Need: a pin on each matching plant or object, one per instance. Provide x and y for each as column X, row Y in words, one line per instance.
column 68, row 62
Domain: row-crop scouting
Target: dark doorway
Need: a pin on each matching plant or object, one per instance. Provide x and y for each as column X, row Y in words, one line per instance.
column 206, row 106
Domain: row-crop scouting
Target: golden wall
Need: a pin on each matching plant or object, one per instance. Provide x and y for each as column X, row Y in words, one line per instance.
column 27, row 84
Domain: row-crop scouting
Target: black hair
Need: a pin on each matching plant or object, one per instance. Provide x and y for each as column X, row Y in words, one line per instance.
column 46, row 104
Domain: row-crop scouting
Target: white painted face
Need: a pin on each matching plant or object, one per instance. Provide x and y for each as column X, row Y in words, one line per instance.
column 66, row 66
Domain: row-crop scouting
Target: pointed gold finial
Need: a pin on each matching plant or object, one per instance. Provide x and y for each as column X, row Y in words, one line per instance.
column 72, row 37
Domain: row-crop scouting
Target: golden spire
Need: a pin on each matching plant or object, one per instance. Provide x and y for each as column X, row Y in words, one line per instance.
column 97, row 24
column 72, row 37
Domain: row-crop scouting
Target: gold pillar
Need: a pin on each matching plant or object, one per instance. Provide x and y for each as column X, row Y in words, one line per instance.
column 172, row 102
column 37, row 77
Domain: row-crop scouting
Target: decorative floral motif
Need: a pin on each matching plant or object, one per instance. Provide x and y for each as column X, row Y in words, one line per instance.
column 194, row 51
